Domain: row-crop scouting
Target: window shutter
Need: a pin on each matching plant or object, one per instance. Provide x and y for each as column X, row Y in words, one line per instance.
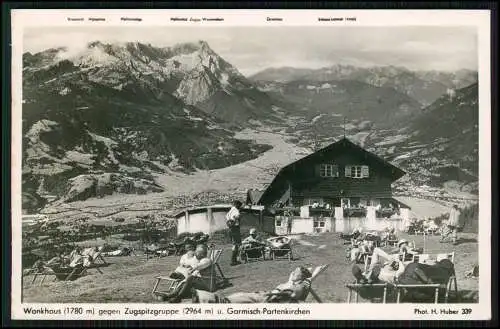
column 317, row 170
column 365, row 171
column 347, row 171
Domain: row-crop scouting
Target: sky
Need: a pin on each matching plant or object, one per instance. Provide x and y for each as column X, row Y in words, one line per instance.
column 252, row 49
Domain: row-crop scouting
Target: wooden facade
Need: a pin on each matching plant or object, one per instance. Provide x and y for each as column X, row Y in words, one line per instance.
column 338, row 172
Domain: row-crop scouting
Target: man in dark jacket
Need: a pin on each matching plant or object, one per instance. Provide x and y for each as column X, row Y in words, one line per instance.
column 416, row 273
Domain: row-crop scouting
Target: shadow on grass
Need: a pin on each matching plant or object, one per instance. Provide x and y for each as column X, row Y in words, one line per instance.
column 465, row 240
column 100, row 265
column 234, row 277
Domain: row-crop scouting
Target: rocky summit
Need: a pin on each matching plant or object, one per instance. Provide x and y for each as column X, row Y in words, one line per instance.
column 132, row 109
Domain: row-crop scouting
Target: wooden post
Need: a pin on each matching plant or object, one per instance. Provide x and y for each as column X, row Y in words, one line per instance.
column 290, row 192
column 210, row 220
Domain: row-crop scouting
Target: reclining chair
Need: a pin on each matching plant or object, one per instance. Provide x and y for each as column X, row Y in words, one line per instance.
column 250, row 253
column 216, row 280
column 280, row 248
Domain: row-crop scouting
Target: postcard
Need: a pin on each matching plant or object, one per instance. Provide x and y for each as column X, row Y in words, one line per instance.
column 319, row 164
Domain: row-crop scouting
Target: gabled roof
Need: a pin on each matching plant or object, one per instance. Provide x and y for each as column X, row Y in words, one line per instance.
column 343, row 143
column 253, row 196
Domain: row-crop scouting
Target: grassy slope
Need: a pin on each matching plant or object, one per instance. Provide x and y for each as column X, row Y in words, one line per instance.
column 130, row 279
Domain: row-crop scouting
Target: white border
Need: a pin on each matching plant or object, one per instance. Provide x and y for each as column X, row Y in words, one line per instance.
column 479, row 18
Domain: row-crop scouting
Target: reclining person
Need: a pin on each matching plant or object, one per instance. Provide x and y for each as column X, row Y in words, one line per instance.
column 412, row 273
column 294, row 290
column 379, row 256
column 279, row 245
column 194, row 271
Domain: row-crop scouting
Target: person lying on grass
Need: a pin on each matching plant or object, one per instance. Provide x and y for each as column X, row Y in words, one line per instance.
column 194, row 273
column 294, row 290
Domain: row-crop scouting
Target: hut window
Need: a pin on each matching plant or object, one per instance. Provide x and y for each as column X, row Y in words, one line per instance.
column 278, row 222
column 328, row 170
column 357, row 171
column 319, row 223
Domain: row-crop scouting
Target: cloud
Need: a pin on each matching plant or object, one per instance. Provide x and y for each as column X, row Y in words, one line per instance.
column 251, row 49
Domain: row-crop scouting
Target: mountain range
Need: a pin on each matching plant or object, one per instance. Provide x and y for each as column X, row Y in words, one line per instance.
column 423, row 86
column 110, row 117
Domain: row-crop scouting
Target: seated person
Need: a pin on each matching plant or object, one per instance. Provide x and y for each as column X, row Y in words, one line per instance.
column 185, row 263
column 252, row 245
column 357, row 252
column 200, row 239
column 252, row 239
column 294, row 290
column 379, row 256
column 76, row 257
column 390, row 234
column 355, row 234
column 371, row 236
column 430, row 227
column 195, row 271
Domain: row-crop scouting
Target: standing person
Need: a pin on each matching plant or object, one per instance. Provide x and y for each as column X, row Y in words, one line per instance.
column 233, row 222
column 452, row 225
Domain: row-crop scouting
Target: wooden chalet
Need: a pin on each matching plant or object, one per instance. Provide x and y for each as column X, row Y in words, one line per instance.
column 341, row 182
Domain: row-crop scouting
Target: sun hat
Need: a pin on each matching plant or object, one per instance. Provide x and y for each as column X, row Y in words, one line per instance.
column 402, row 241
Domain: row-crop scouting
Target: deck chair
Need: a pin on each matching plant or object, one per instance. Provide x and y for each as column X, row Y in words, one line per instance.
column 355, row 287
column 315, row 273
column 451, row 285
column 389, row 242
column 61, row 273
column 253, row 254
column 216, row 279
column 98, row 259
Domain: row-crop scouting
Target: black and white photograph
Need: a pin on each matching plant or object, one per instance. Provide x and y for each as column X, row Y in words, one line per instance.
column 184, row 164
